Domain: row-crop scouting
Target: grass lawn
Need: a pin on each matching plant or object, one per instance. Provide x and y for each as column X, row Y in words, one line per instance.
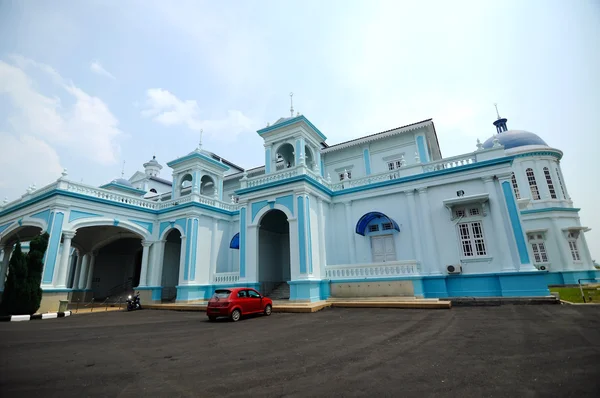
column 573, row 294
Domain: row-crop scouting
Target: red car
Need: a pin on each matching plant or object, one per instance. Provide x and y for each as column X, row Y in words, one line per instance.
column 237, row 301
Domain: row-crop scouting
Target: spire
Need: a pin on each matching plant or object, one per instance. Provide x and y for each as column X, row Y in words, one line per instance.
column 200, row 142
column 123, row 170
column 291, row 104
column 500, row 123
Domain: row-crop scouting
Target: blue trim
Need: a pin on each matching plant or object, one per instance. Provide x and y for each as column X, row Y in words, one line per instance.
column 194, row 251
column 367, row 161
column 147, row 225
column 311, row 290
column 515, row 222
column 163, row 225
column 309, row 236
column 267, row 160
column 53, row 246
column 20, row 222
column 43, row 215
column 243, row 242
column 76, row 215
column 123, row 188
column 540, row 153
column 186, row 268
column 49, row 230
column 422, row 152
column 298, row 152
column 116, row 222
column 182, row 223
column 235, row 241
column 173, row 190
column 199, row 156
column 56, row 290
column 287, row 201
column 3, row 227
column 363, row 222
column 302, row 235
column 293, row 120
column 322, row 167
column 258, row 206
column 547, row 209
column 415, row 177
column 156, row 291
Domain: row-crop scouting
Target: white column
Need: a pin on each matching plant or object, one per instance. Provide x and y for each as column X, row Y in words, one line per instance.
column 61, row 280
column 561, row 245
column 77, row 270
column 333, row 252
column 416, row 233
column 159, row 258
column 214, row 250
column 182, row 255
column 90, row 274
column 144, row 271
column 435, row 268
column 322, row 243
column 585, row 253
column 350, row 232
column 82, row 280
column 500, row 241
column 7, row 251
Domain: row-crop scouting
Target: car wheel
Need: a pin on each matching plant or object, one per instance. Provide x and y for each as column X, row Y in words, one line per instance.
column 268, row 309
column 236, row 315
column 212, row 318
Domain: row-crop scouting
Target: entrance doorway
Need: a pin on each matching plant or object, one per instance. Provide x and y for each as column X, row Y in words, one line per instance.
column 274, row 255
column 170, row 270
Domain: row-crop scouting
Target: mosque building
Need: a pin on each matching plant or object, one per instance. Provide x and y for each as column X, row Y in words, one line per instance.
column 381, row 215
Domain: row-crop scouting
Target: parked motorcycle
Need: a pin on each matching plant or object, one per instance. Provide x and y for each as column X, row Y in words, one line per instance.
column 133, row 303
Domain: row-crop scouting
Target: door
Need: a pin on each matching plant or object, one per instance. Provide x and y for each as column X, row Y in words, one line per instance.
column 254, row 301
column 383, row 248
column 244, row 301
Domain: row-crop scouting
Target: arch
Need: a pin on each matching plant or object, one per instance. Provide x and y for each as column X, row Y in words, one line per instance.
column 15, row 226
column 152, row 190
column 286, row 151
column 276, row 206
column 235, row 241
column 131, row 227
column 364, row 221
column 207, row 185
column 182, row 186
column 167, row 231
column 309, row 157
column 112, row 239
column 274, row 253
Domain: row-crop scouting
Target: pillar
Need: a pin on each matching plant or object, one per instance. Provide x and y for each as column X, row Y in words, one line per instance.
column 77, row 270
column 350, row 232
column 144, row 271
column 559, row 241
column 157, row 263
column 269, row 159
column 214, row 250
column 322, row 243
column 7, row 250
column 61, row 277
column 503, row 248
column 182, row 255
column 435, row 268
column 82, row 280
column 90, row 274
column 415, row 226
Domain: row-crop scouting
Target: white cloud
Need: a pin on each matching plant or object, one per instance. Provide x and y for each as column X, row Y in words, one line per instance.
column 165, row 108
column 87, row 128
column 26, row 160
column 96, row 67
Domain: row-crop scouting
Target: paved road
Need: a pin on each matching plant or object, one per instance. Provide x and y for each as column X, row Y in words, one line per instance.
column 511, row 351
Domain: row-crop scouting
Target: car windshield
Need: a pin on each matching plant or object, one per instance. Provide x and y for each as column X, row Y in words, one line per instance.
column 222, row 293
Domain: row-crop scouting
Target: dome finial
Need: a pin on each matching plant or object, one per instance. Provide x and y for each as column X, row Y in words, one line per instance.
column 500, row 123
column 123, row 170
column 291, row 104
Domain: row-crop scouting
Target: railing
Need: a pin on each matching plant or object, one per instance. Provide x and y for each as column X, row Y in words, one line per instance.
column 450, row 163
column 376, row 270
column 227, row 277
column 110, row 195
column 267, row 178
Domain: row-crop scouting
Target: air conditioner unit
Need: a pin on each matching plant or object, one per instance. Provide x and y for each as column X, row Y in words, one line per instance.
column 454, row 269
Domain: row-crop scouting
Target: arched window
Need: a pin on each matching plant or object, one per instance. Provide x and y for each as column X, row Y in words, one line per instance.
column 535, row 193
column 549, row 182
column 515, row 186
column 153, row 190
column 562, row 188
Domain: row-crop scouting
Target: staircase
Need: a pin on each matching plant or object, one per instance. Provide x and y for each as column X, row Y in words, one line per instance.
column 281, row 292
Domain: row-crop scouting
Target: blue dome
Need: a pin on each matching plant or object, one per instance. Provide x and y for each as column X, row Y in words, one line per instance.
column 515, row 138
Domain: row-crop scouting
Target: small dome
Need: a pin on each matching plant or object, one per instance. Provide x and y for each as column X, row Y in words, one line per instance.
column 515, row 138
column 122, row 181
column 152, row 162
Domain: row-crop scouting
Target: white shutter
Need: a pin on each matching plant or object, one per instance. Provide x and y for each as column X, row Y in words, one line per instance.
column 390, row 251
column 378, row 249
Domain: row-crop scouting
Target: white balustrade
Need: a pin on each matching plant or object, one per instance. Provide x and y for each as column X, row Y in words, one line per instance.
column 227, row 277
column 267, row 178
column 375, row 270
column 450, row 163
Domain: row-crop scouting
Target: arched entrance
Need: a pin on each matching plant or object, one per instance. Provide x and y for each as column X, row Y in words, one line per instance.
column 171, row 264
column 274, row 254
column 22, row 233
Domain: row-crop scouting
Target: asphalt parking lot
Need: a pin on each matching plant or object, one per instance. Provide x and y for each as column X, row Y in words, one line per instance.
column 507, row 351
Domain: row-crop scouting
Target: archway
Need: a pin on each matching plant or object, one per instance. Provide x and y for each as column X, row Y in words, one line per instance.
column 170, row 267
column 274, row 254
column 22, row 233
column 207, row 186
column 185, row 187
column 309, row 158
column 286, row 152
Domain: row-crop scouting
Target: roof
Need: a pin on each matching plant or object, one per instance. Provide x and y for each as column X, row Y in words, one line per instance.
column 515, row 138
column 161, row 180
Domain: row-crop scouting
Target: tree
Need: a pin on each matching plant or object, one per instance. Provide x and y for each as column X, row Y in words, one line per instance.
column 22, row 292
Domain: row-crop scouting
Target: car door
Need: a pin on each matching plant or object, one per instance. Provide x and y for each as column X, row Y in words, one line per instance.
column 244, row 301
column 254, row 300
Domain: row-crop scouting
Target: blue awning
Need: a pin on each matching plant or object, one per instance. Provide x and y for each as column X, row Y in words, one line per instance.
column 235, row 241
column 361, row 226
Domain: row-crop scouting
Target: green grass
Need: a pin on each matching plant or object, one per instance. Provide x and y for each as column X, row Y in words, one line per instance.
column 573, row 294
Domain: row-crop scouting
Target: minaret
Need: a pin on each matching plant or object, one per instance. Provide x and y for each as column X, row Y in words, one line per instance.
column 500, row 123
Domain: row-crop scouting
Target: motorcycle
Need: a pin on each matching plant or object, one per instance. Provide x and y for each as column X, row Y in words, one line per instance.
column 133, row 303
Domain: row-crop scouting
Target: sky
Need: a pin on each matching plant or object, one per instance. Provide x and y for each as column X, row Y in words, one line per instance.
column 88, row 85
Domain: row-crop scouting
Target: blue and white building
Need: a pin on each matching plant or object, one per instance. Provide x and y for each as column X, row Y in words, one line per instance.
column 382, row 215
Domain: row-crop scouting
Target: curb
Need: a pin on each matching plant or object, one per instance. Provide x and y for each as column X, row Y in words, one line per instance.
column 20, row 318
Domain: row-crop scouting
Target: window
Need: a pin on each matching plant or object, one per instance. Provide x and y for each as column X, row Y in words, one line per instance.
column 549, row 182
column 538, row 247
column 572, row 239
column 562, row 188
column 222, row 293
column 253, row 294
column 474, row 211
column 386, row 226
column 472, row 240
column 471, row 212
column 342, row 175
column 460, row 213
column 515, row 186
column 374, row 228
column 535, row 193
column 153, row 190
column 242, row 294
column 394, row 164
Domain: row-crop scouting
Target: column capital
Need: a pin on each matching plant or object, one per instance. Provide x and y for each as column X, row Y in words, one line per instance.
column 69, row 234
column 422, row 191
column 504, row 176
column 487, row 179
column 146, row 243
column 348, row 203
column 409, row 193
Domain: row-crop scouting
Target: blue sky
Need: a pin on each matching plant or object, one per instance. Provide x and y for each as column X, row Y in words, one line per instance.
column 87, row 84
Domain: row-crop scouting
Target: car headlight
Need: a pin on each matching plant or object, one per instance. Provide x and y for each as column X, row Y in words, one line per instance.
column 129, row 297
